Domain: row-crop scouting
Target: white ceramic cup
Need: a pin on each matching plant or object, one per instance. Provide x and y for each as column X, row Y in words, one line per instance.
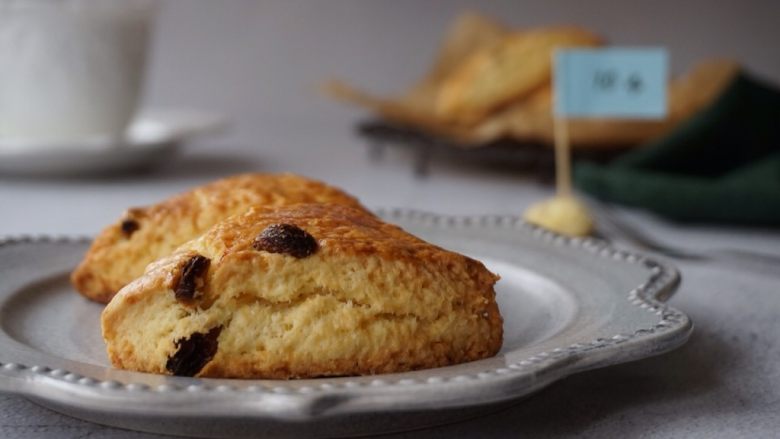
column 71, row 70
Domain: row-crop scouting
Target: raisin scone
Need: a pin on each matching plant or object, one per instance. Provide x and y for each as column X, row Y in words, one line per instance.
column 122, row 251
column 304, row 291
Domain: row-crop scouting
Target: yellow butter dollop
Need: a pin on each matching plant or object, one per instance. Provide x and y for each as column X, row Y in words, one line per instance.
column 562, row 214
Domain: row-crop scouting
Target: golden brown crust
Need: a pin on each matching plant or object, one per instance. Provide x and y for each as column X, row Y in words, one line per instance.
column 490, row 78
column 532, row 118
column 121, row 251
column 371, row 299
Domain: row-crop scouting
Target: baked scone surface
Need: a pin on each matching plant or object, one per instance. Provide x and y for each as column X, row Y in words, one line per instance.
column 142, row 235
column 304, row 291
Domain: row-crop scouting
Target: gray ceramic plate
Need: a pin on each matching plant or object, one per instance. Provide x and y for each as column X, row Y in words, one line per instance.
column 568, row 305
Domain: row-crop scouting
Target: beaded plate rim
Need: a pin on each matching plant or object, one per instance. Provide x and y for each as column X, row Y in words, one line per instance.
column 661, row 282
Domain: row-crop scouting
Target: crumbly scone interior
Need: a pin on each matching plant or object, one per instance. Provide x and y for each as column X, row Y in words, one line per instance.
column 331, row 313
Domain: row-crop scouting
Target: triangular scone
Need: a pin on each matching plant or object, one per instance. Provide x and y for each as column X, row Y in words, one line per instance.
column 304, row 291
column 123, row 250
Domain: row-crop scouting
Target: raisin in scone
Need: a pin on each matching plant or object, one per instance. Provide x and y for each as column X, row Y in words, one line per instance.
column 304, row 291
column 142, row 235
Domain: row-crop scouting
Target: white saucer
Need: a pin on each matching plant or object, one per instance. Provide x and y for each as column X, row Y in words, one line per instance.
column 151, row 139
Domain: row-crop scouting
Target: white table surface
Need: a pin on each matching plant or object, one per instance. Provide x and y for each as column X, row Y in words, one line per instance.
column 724, row 383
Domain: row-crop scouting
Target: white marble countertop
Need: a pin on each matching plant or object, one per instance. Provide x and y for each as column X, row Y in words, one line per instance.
column 724, row 383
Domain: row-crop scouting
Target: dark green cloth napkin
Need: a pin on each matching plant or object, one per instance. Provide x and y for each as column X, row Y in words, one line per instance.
column 722, row 165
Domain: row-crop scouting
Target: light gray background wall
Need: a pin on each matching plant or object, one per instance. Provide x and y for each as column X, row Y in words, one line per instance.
column 259, row 63
column 262, row 60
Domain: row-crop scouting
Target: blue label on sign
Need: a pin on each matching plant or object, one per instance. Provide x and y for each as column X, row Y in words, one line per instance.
column 614, row 82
